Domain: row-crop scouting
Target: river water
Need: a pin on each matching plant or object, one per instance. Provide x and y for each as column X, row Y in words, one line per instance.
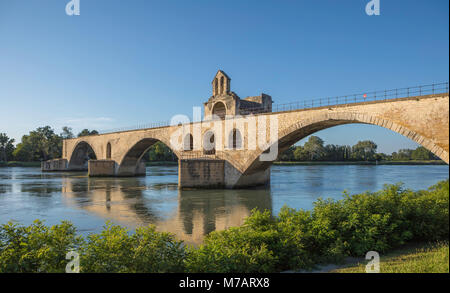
column 27, row 194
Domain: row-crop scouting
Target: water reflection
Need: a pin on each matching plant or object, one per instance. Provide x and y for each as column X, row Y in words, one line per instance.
column 4, row 188
column 201, row 211
column 134, row 202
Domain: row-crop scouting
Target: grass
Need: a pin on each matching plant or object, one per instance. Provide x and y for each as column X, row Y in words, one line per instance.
column 428, row 258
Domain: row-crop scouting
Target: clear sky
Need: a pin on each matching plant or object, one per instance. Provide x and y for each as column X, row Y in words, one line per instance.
column 122, row 63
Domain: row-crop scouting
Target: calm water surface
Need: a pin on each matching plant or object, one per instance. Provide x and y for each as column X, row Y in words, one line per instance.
column 27, row 194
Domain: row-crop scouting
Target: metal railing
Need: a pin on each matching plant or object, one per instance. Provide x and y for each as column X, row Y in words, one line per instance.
column 137, row 127
column 429, row 89
column 198, row 155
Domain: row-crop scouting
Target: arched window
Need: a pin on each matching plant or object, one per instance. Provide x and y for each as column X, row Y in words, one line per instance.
column 221, row 85
column 219, row 110
column 108, row 151
column 209, row 143
column 188, row 142
column 216, row 87
column 235, row 140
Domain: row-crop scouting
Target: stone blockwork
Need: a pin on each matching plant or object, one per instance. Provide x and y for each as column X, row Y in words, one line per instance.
column 202, row 173
column 225, row 102
column 233, row 164
column 54, row 165
column 101, row 168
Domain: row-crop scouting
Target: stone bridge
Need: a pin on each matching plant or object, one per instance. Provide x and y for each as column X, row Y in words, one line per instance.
column 235, row 145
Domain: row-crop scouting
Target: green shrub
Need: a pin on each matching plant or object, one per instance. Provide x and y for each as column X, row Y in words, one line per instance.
column 145, row 251
column 239, row 249
column 36, row 248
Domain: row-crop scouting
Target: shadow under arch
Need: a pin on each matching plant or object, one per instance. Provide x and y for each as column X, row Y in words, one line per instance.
column 297, row 131
column 220, row 110
column 81, row 154
column 129, row 165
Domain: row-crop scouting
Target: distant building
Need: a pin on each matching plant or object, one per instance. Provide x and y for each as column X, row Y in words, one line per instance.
column 224, row 102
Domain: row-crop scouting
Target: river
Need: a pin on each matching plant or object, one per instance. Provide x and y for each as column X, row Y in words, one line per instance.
column 27, row 194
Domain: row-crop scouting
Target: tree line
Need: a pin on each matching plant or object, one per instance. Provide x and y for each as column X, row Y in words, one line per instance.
column 39, row 145
column 45, row 144
column 316, row 150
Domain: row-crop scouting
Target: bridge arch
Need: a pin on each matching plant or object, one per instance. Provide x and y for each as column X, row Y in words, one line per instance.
column 299, row 130
column 129, row 163
column 81, row 154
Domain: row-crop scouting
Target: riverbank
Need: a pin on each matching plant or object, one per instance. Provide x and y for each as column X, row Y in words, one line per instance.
column 431, row 162
column 20, row 164
column 414, row 258
column 281, row 163
column 38, row 164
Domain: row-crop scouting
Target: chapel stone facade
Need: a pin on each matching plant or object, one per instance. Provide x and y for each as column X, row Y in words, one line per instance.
column 225, row 102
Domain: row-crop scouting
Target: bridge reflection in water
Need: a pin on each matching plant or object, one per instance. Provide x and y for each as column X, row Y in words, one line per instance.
column 189, row 214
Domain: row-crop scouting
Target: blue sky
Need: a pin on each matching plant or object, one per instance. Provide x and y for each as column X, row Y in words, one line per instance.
column 122, row 63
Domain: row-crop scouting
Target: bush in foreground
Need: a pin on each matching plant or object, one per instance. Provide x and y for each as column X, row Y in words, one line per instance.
column 36, row 248
column 114, row 250
column 294, row 239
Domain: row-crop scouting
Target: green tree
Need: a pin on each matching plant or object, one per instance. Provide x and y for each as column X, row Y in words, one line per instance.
column 23, row 152
column 39, row 144
column 288, row 155
column 337, row 152
column 422, row 153
column 382, row 157
column 67, row 133
column 160, row 152
column 86, row 132
column 6, row 147
column 314, row 148
column 300, row 154
column 402, row 155
column 364, row 150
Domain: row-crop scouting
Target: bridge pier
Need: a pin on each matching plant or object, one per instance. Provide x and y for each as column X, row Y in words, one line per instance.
column 214, row 173
column 141, row 169
column 54, row 165
column 203, row 173
column 101, row 168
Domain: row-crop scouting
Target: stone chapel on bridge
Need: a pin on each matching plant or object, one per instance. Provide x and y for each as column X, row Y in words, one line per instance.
column 224, row 102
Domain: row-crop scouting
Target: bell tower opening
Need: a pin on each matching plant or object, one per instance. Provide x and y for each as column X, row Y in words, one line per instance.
column 221, row 84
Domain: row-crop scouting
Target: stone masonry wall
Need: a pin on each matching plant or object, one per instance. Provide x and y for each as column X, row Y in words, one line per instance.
column 97, row 168
column 201, row 173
